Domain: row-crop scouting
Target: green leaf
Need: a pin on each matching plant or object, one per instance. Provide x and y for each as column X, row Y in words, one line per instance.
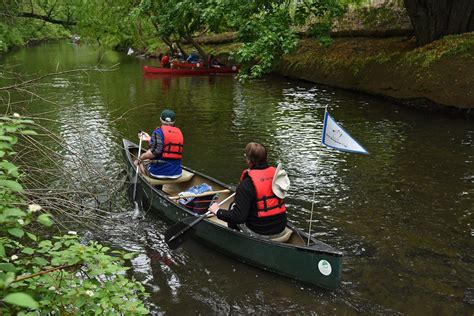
column 6, row 138
column 28, row 132
column 31, row 236
column 21, row 299
column 28, row 250
column 17, row 232
column 40, row 261
column 12, row 185
column 2, row 251
column 2, row 153
column 25, row 121
column 10, row 168
column 6, row 279
column 7, row 267
column 57, row 261
column 45, row 220
column 14, row 212
column 128, row 255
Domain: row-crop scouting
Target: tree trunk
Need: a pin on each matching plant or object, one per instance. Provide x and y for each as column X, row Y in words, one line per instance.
column 433, row 19
column 167, row 41
column 180, row 48
column 196, row 45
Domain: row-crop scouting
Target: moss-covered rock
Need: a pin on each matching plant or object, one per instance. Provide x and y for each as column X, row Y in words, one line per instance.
column 438, row 76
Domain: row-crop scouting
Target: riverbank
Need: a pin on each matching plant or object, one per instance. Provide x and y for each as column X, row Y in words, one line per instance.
column 436, row 77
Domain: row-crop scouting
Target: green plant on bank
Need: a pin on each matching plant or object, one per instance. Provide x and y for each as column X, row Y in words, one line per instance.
column 19, row 34
column 56, row 275
column 452, row 45
column 386, row 15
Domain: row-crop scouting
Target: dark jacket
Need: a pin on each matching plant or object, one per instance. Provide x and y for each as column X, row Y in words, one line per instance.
column 244, row 210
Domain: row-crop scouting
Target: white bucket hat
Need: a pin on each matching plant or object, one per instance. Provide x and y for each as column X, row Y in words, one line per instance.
column 281, row 182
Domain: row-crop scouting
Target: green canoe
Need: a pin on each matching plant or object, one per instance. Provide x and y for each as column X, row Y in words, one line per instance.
column 317, row 264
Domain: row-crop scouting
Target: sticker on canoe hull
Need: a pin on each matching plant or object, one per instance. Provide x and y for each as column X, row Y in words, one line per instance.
column 324, row 267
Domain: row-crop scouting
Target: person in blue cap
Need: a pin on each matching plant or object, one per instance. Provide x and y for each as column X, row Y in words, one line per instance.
column 163, row 158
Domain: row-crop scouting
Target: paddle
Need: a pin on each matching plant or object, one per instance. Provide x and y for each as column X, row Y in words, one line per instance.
column 136, row 211
column 181, row 231
column 185, row 196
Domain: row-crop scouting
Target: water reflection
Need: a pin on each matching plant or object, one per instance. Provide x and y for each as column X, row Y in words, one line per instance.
column 402, row 215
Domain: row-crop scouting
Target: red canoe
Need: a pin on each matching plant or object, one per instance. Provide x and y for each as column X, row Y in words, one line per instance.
column 177, row 64
column 190, row 71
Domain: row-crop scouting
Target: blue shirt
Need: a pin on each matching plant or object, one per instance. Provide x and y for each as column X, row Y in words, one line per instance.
column 193, row 58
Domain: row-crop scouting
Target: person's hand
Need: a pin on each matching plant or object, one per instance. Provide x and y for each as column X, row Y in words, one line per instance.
column 214, row 208
column 144, row 136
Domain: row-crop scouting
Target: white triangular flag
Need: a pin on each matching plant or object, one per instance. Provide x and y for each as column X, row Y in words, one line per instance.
column 336, row 137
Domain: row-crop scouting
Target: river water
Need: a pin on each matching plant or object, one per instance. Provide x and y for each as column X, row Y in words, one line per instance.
column 402, row 215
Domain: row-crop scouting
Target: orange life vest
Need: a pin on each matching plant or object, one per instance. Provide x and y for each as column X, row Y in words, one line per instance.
column 268, row 204
column 173, row 142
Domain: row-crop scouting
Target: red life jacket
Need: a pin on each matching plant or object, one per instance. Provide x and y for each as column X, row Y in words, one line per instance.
column 268, row 204
column 173, row 142
column 165, row 61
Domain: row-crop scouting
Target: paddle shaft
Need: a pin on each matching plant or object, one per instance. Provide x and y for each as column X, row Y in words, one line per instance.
column 138, row 167
column 226, row 199
column 201, row 217
column 180, row 233
column 198, row 195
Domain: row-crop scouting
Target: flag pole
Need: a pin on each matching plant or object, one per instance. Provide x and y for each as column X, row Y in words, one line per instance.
column 335, row 137
column 314, row 185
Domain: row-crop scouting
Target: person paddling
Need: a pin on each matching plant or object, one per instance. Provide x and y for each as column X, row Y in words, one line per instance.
column 163, row 158
column 256, row 205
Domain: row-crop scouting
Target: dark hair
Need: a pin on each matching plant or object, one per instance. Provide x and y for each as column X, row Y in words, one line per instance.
column 256, row 153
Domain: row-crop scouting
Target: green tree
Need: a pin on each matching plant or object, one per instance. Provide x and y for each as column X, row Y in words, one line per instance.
column 175, row 21
column 269, row 29
column 266, row 28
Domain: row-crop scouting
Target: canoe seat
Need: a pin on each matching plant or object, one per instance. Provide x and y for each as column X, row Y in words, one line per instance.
column 185, row 176
column 284, row 236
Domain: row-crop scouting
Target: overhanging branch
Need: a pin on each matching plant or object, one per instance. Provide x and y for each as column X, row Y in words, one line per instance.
column 44, row 18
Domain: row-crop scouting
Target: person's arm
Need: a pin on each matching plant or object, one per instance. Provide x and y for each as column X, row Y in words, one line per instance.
column 156, row 144
column 243, row 200
column 144, row 136
column 146, row 156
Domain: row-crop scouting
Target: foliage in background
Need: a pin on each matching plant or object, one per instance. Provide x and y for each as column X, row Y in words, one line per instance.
column 388, row 15
column 58, row 274
column 266, row 29
column 269, row 29
column 16, row 33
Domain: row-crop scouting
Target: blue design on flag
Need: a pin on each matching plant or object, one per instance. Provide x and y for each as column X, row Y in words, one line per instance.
column 334, row 136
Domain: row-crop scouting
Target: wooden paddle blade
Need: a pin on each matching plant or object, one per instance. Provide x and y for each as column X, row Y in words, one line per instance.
column 177, row 240
column 181, row 231
column 177, row 228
